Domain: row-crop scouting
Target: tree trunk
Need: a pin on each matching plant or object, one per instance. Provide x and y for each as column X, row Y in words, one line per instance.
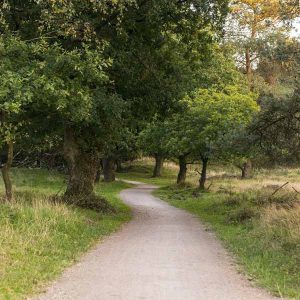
column 108, row 169
column 159, row 162
column 5, row 171
column 246, row 169
column 82, row 166
column 119, row 165
column 182, row 169
column 203, row 174
column 99, row 171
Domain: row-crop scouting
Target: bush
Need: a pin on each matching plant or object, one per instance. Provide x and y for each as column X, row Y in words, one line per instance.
column 241, row 215
column 281, row 199
column 232, row 201
column 94, row 202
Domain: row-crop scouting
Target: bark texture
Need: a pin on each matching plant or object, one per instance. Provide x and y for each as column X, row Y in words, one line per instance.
column 247, row 169
column 83, row 166
column 182, row 170
column 109, row 169
column 203, row 174
column 5, row 172
column 99, row 171
column 159, row 162
column 119, row 165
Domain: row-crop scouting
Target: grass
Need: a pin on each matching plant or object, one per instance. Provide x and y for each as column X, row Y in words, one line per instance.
column 39, row 239
column 142, row 169
column 261, row 230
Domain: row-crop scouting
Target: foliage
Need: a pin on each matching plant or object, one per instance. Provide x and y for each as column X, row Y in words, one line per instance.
column 212, row 114
column 16, row 91
column 251, row 27
column 153, row 139
column 92, row 61
column 277, row 128
column 279, row 62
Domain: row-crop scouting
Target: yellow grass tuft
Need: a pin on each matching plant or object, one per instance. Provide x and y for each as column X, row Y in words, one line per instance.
column 282, row 222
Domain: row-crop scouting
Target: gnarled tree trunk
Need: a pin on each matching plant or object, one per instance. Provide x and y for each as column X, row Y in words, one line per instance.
column 119, row 165
column 109, row 169
column 98, row 173
column 246, row 169
column 202, row 179
column 5, row 169
column 159, row 162
column 182, row 169
column 82, row 165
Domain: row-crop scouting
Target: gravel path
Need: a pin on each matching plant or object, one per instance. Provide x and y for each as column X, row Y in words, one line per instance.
column 163, row 254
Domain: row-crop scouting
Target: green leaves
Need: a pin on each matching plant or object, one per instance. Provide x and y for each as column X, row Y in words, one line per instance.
column 210, row 114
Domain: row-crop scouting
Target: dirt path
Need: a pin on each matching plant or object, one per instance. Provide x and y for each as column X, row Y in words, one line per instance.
column 163, row 254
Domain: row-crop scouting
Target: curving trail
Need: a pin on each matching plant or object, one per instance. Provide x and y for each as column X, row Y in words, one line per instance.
column 163, row 254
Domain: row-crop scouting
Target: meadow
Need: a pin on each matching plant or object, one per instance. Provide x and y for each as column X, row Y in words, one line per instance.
column 257, row 220
column 40, row 238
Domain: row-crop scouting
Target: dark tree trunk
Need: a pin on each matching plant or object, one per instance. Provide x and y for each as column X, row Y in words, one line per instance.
column 5, row 169
column 246, row 170
column 119, row 165
column 159, row 162
column 99, row 171
column 182, row 169
column 82, row 166
column 108, row 169
column 203, row 174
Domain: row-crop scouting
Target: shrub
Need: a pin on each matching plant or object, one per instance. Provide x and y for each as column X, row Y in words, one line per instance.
column 93, row 202
column 241, row 215
column 281, row 199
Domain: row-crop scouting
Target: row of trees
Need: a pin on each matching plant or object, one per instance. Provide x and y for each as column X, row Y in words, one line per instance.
column 79, row 75
column 264, row 122
column 202, row 131
column 99, row 81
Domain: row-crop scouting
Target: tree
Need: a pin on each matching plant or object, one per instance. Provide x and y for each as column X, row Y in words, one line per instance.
column 250, row 23
column 211, row 115
column 16, row 71
column 277, row 130
column 80, row 86
column 278, row 64
column 239, row 148
column 216, row 72
column 153, row 142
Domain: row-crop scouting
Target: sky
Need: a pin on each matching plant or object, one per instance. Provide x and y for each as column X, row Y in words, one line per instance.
column 296, row 31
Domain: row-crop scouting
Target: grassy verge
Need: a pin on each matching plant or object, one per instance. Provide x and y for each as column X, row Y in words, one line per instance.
column 39, row 239
column 263, row 233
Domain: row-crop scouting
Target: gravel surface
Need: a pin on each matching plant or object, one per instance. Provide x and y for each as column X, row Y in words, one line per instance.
column 164, row 253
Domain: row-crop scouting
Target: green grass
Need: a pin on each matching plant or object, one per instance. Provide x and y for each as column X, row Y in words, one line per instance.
column 142, row 170
column 268, row 254
column 263, row 234
column 39, row 239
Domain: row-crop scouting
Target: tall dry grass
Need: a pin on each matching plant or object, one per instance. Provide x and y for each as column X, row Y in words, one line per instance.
column 282, row 223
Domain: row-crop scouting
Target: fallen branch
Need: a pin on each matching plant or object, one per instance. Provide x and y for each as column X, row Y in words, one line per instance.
column 209, row 186
column 278, row 189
